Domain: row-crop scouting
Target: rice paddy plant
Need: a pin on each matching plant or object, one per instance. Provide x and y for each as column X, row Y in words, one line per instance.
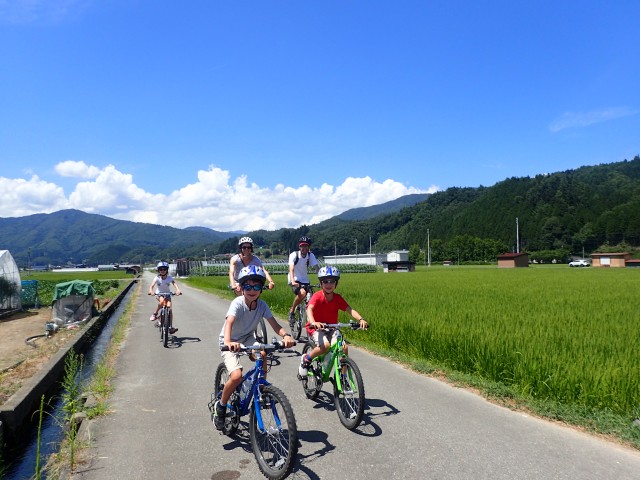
column 550, row 333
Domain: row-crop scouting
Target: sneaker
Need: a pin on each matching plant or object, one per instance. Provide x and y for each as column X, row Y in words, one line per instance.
column 305, row 363
column 173, row 330
column 219, row 413
column 152, row 317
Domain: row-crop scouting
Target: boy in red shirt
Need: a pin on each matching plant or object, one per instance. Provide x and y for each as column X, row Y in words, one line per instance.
column 323, row 311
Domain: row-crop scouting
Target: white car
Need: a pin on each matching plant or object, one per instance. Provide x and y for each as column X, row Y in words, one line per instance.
column 579, row 263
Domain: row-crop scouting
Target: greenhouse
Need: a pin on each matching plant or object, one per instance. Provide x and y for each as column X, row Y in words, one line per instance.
column 10, row 285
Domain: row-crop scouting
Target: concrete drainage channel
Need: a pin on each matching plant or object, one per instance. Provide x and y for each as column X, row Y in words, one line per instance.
column 18, row 416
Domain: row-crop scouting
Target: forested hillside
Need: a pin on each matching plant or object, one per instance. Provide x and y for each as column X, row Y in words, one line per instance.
column 78, row 237
column 557, row 214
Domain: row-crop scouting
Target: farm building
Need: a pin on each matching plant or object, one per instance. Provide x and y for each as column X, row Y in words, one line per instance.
column 361, row 259
column 513, row 260
column 613, row 260
column 398, row 261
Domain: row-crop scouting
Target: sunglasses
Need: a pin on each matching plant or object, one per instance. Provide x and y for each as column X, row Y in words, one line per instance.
column 330, row 281
column 247, row 288
column 163, row 270
column 245, row 247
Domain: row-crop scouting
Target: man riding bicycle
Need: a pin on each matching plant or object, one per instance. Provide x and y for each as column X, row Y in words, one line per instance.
column 298, row 278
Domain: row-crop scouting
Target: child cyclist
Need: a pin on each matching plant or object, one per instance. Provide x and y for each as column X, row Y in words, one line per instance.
column 161, row 287
column 240, row 323
column 323, row 311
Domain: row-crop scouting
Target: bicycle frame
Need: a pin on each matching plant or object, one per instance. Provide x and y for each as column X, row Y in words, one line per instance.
column 335, row 352
column 257, row 378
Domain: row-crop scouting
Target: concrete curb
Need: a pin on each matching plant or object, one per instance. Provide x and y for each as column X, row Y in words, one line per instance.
column 20, row 408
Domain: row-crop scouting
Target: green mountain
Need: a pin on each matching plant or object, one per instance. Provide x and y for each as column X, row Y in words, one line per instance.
column 571, row 211
column 364, row 213
column 73, row 236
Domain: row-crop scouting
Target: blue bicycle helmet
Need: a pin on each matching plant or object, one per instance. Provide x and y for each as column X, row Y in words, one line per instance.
column 252, row 272
column 329, row 272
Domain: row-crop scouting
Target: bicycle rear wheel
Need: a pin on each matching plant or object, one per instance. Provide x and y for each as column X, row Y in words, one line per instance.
column 275, row 443
column 312, row 383
column 349, row 401
column 232, row 421
column 261, row 332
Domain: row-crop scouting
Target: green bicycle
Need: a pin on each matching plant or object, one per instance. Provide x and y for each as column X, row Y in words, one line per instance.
column 343, row 372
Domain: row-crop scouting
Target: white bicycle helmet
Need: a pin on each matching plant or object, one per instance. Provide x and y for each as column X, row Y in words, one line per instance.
column 245, row 240
column 329, row 272
column 252, row 272
column 162, row 265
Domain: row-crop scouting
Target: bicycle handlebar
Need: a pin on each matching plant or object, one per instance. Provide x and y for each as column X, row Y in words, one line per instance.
column 171, row 294
column 267, row 347
column 331, row 326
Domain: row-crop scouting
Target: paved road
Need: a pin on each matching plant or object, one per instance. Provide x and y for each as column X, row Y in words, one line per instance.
column 415, row 427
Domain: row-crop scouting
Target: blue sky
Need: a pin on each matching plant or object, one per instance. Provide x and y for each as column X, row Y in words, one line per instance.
column 239, row 115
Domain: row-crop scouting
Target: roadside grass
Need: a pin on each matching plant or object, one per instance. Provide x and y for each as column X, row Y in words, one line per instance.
column 560, row 343
column 97, row 389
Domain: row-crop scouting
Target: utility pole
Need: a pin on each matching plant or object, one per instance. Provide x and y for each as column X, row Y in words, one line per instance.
column 356, row 251
column 428, row 248
column 517, row 237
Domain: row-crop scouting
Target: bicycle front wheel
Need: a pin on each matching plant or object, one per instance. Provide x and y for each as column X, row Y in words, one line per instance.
column 300, row 319
column 273, row 432
column 348, row 397
column 165, row 326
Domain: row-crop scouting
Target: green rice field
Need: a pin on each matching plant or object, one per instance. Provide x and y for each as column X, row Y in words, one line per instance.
column 549, row 335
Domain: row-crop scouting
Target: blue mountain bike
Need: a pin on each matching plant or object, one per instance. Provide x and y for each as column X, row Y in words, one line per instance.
column 272, row 424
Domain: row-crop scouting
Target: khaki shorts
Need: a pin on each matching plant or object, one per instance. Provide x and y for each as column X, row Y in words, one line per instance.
column 231, row 361
column 322, row 336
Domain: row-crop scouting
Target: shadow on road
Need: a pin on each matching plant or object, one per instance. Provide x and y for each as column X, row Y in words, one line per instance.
column 177, row 342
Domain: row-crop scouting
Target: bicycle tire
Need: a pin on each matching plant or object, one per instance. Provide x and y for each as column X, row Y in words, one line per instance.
column 312, row 384
column 296, row 328
column 166, row 324
column 349, row 403
column 221, row 378
column 275, row 447
column 261, row 332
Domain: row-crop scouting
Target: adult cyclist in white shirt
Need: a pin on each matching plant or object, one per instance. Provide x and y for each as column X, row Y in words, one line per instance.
column 299, row 263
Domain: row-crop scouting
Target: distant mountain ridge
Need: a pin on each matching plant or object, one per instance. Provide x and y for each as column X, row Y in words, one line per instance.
column 568, row 211
column 364, row 213
column 79, row 237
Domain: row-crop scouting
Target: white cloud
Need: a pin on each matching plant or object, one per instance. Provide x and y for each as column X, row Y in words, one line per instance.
column 215, row 200
column 72, row 168
column 584, row 119
column 22, row 197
